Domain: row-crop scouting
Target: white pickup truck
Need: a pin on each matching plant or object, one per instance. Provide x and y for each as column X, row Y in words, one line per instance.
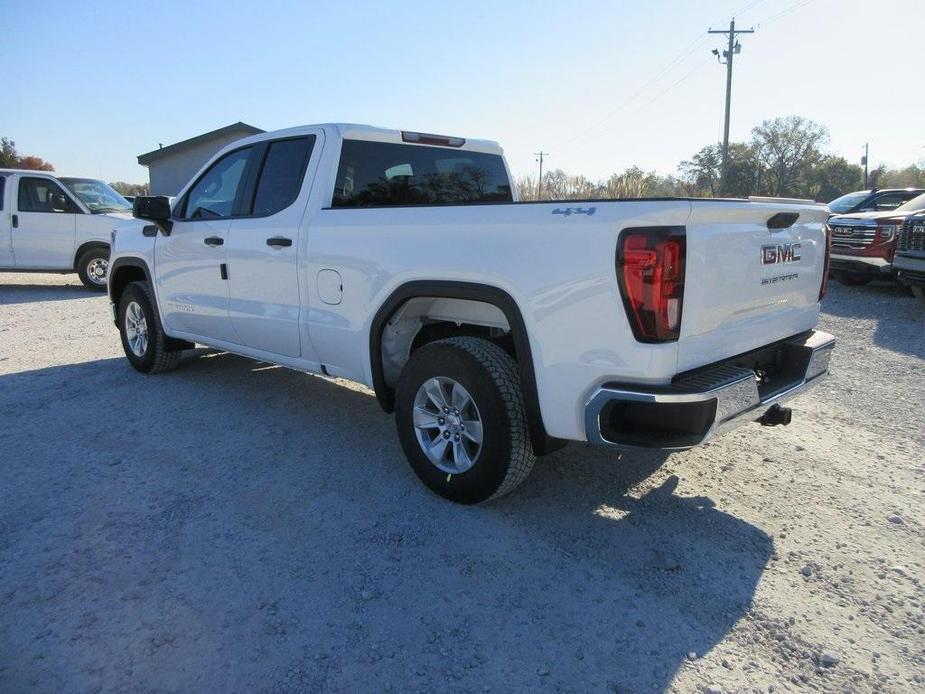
column 54, row 223
column 495, row 330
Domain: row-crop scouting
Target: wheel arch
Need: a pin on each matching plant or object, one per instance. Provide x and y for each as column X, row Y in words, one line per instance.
column 125, row 270
column 470, row 291
column 84, row 247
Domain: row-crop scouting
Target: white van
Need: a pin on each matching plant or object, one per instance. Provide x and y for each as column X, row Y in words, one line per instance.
column 58, row 224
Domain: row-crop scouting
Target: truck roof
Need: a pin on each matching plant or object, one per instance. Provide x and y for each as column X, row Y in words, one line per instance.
column 358, row 131
column 31, row 172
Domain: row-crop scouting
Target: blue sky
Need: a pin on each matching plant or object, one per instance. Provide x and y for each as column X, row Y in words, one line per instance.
column 601, row 84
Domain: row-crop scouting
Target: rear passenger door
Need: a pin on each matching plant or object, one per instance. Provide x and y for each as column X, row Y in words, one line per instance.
column 264, row 248
column 6, row 228
column 44, row 225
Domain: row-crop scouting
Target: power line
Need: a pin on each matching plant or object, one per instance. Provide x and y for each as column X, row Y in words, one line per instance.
column 668, row 67
column 792, row 8
column 651, row 81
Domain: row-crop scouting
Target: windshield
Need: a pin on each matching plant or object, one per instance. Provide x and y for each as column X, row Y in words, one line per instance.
column 848, row 202
column 99, row 196
column 914, row 205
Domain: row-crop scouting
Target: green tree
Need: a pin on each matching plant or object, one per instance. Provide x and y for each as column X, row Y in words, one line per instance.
column 702, row 170
column 10, row 158
column 787, row 149
column 912, row 176
column 833, row 176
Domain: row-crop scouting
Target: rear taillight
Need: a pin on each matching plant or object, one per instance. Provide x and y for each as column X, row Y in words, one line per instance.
column 650, row 272
column 825, row 264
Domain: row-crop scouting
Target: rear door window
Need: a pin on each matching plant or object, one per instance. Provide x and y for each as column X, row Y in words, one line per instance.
column 281, row 177
column 378, row 174
column 2, row 189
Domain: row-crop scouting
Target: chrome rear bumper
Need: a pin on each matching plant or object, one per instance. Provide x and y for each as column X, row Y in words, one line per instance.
column 707, row 401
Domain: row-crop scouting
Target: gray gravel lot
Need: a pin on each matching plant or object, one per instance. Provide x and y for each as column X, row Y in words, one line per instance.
column 232, row 526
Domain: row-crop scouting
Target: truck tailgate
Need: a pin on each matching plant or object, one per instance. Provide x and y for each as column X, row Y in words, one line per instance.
column 747, row 285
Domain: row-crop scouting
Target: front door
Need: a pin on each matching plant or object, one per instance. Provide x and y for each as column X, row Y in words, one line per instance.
column 264, row 249
column 44, row 225
column 190, row 263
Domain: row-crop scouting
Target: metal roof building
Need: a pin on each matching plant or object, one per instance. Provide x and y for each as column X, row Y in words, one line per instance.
column 171, row 167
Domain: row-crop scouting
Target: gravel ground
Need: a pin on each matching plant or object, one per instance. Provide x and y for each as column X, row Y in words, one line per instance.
column 233, row 526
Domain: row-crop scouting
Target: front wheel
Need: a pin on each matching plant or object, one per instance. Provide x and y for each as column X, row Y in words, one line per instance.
column 93, row 268
column 919, row 292
column 143, row 337
column 461, row 419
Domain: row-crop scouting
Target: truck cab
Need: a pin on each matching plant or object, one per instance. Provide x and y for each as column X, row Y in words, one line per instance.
column 58, row 224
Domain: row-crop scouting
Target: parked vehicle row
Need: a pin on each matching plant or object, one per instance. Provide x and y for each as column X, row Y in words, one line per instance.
column 495, row 330
column 876, row 200
column 58, row 224
column 863, row 243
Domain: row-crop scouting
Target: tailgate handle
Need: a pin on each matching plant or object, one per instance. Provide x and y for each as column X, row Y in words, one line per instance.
column 783, row 220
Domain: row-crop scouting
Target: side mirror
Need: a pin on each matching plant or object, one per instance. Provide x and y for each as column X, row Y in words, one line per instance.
column 155, row 208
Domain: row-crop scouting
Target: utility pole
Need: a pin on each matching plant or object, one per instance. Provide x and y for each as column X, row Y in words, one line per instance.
column 864, row 162
column 539, row 182
column 733, row 49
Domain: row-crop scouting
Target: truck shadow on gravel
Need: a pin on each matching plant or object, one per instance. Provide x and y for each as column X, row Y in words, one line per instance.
column 29, row 293
column 258, row 529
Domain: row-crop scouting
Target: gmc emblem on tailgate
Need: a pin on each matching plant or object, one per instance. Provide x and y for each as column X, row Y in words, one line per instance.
column 780, row 253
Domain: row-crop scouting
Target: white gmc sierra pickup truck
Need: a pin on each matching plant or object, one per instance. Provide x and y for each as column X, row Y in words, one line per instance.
column 495, row 330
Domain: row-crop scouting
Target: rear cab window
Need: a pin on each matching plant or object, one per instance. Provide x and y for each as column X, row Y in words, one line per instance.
column 384, row 174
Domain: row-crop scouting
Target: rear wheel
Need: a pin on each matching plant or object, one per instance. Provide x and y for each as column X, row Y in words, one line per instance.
column 461, row 419
column 143, row 338
column 93, row 268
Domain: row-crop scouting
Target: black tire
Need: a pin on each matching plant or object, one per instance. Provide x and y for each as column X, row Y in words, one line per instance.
column 89, row 266
column 490, row 376
column 851, row 279
column 155, row 357
column 919, row 292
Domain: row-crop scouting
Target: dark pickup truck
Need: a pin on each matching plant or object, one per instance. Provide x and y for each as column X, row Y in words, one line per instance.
column 909, row 261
